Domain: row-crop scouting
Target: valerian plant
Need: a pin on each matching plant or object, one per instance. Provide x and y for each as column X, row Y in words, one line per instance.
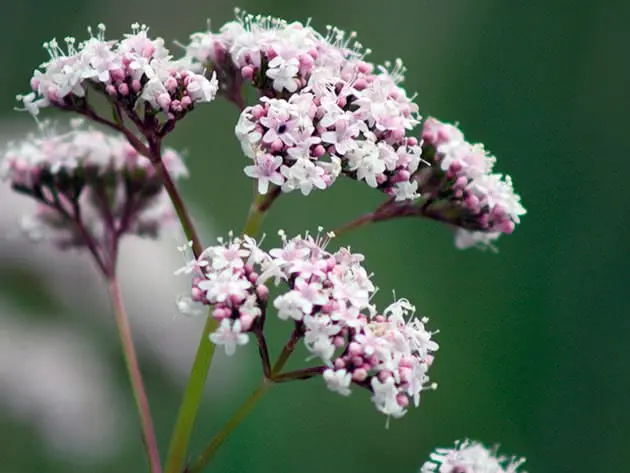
column 323, row 113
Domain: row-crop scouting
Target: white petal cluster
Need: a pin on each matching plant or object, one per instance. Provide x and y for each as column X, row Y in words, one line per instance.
column 319, row 98
column 306, row 141
column 327, row 296
column 131, row 70
column 470, row 457
column 489, row 205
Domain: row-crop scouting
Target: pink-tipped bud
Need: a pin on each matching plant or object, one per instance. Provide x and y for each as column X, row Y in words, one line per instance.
column 221, row 313
column 258, row 112
column 359, row 375
column 262, row 291
column 360, row 84
column 277, row 146
column 506, row 226
column 397, row 134
column 197, row 294
column 354, row 349
column 164, row 101
column 403, row 400
column 247, row 72
column 246, row 322
column 123, row 89
column 186, row 102
column 318, row 151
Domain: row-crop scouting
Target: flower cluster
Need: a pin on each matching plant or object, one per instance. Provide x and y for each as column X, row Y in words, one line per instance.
column 319, row 98
column 470, row 457
column 461, row 188
column 85, row 176
column 327, row 296
column 134, row 70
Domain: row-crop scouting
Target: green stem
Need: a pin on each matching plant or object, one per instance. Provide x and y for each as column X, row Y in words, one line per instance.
column 192, row 399
column 255, row 216
column 288, row 349
column 359, row 222
column 225, row 431
column 205, row 351
column 178, row 203
column 139, row 394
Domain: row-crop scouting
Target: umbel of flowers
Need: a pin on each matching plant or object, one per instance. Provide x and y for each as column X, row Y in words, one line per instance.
column 91, row 188
column 131, row 72
column 324, row 111
column 326, row 296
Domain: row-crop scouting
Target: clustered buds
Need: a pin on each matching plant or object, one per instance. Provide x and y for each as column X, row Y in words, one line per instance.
column 327, row 297
column 470, row 457
column 84, row 179
column 132, row 71
column 461, row 188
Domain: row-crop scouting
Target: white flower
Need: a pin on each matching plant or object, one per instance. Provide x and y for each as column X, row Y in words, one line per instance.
column 338, row 381
column 385, row 399
column 468, row 239
column 292, row 305
column 303, row 175
column 344, row 135
column 229, row 335
column 470, row 457
column 365, row 160
column 222, row 286
column 265, row 170
column 283, row 72
column 201, row 89
column 406, row 190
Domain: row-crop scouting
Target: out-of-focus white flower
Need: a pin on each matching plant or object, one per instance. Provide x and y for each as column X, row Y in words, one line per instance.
column 163, row 335
column 85, row 179
column 470, row 457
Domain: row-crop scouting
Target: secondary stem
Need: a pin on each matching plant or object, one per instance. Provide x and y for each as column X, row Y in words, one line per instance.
column 359, row 222
column 176, row 199
column 236, row 419
column 192, row 398
column 288, row 349
column 139, row 394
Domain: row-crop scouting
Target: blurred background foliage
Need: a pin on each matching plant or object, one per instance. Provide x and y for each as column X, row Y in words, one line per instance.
column 534, row 352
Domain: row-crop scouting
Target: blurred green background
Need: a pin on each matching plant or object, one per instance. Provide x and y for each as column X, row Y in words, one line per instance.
column 534, row 340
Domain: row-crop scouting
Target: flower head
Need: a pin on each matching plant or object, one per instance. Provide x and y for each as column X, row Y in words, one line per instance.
column 462, row 189
column 324, row 110
column 470, row 457
column 326, row 295
column 130, row 71
column 86, row 180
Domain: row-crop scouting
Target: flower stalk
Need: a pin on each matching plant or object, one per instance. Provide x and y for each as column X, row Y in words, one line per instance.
column 243, row 411
column 135, row 376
